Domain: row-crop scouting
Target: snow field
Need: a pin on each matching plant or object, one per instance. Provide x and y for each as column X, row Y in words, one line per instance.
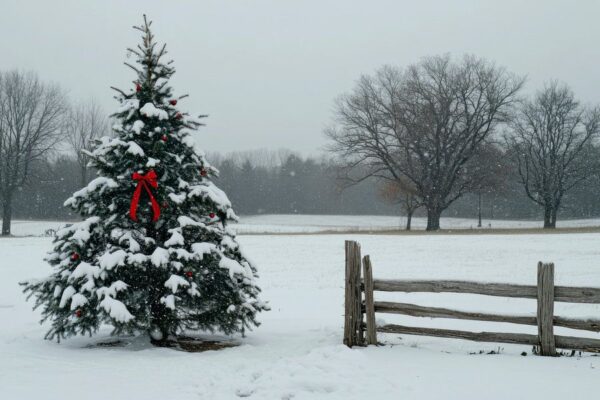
column 296, row 352
column 295, row 223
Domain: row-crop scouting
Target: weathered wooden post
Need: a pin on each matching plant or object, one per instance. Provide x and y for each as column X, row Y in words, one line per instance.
column 369, row 302
column 353, row 331
column 545, row 308
column 347, row 298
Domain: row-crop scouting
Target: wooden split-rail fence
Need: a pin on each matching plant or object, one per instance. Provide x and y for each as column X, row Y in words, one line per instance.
column 360, row 328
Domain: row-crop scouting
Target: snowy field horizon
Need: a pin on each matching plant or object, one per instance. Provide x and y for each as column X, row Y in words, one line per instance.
column 322, row 223
column 297, row 353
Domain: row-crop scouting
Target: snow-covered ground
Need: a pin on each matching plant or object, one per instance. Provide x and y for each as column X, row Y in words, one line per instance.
column 297, row 353
column 294, row 223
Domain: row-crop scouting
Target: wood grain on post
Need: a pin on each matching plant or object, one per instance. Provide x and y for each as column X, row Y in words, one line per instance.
column 348, row 298
column 545, row 309
column 578, row 343
column 369, row 301
column 583, row 324
column 352, row 309
column 568, row 294
column 489, row 289
column 435, row 312
column 565, row 294
column 500, row 337
column 358, row 309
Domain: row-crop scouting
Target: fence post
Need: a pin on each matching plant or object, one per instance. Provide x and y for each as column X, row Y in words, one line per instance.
column 353, row 304
column 545, row 308
column 369, row 303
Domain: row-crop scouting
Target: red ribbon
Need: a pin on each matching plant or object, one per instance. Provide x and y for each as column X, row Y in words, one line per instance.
column 142, row 182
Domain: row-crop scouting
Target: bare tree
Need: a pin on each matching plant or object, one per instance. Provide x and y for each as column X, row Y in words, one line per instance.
column 30, row 120
column 423, row 124
column 404, row 193
column 552, row 140
column 84, row 124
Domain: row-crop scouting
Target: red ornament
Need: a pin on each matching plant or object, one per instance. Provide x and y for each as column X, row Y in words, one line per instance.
column 138, row 87
column 189, row 274
column 178, row 115
column 74, row 257
column 211, row 215
column 78, row 313
column 203, row 172
column 165, row 204
column 173, row 102
column 164, row 138
column 144, row 181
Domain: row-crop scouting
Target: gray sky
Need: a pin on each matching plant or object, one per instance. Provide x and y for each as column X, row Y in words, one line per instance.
column 267, row 72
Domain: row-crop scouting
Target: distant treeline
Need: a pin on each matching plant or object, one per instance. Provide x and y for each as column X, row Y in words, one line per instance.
column 282, row 182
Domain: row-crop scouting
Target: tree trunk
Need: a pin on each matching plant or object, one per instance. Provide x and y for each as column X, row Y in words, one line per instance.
column 479, row 210
column 6, row 213
column 83, row 177
column 409, row 215
column 553, row 216
column 549, row 217
column 433, row 218
column 158, row 330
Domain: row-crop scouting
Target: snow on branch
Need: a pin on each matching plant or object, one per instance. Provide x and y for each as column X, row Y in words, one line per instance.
column 235, row 267
column 175, row 281
column 212, row 192
column 150, row 110
column 111, row 290
column 100, row 183
column 116, row 309
column 160, row 257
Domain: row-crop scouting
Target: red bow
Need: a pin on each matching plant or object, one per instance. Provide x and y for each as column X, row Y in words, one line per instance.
column 142, row 182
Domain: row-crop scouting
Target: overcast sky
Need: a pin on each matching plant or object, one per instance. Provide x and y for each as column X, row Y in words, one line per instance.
column 267, row 72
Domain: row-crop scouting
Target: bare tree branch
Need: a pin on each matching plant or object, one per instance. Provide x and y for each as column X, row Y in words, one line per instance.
column 423, row 125
column 83, row 125
column 31, row 116
column 552, row 139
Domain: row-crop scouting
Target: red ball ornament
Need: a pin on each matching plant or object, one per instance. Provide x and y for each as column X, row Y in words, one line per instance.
column 203, row 172
column 74, row 257
column 164, row 138
column 138, row 87
column 189, row 274
column 178, row 115
column 173, row 102
column 165, row 204
column 211, row 215
column 78, row 313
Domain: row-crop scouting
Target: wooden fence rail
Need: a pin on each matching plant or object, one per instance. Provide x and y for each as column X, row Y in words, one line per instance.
column 360, row 327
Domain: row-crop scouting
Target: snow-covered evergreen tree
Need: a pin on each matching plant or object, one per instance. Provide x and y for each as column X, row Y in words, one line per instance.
column 165, row 263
